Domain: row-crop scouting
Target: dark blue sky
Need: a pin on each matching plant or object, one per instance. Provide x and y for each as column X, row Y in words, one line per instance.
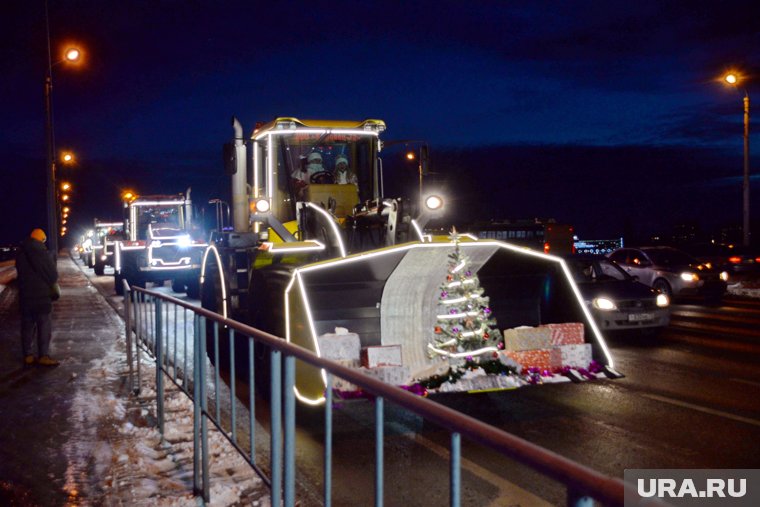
column 595, row 113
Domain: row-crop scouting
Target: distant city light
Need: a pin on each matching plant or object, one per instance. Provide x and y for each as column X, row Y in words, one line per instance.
column 73, row 54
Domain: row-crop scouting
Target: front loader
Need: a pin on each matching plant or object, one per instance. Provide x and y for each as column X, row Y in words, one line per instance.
column 314, row 254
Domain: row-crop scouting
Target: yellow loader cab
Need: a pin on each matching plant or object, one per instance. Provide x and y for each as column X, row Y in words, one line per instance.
column 316, row 250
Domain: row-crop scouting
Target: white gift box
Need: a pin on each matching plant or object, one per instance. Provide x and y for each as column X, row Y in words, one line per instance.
column 340, row 345
column 576, row 356
column 384, row 355
column 393, row 375
column 527, row 338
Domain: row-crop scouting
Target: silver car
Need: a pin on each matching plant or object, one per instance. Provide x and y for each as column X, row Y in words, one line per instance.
column 671, row 271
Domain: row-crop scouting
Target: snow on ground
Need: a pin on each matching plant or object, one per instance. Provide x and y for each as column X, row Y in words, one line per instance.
column 117, row 455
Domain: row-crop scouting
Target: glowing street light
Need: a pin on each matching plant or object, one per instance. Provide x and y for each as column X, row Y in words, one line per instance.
column 66, row 209
column 67, row 157
column 65, row 186
column 71, row 55
column 734, row 79
column 65, row 197
column 410, row 155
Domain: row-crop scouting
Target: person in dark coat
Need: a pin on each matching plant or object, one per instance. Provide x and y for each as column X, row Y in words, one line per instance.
column 37, row 279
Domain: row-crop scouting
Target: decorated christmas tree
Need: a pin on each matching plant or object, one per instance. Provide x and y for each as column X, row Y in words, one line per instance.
column 465, row 327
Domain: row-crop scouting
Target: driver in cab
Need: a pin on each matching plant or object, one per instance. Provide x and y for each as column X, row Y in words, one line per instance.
column 312, row 166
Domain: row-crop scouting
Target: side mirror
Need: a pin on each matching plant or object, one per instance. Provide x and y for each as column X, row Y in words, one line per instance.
column 424, row 160
column 229, row 155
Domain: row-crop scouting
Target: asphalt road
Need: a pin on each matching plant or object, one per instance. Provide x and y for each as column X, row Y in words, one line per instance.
column 690, row 399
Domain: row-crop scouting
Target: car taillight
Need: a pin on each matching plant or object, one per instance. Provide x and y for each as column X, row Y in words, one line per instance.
column 734, row 259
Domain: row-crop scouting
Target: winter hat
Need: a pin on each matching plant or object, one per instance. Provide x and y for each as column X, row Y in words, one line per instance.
column 314, row 156
column 341, row 158
column 39, row 235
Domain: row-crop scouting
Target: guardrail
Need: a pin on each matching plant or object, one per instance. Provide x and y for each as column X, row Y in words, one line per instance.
column 180, row 354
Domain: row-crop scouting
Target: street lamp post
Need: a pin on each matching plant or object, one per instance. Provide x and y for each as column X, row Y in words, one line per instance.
column 71, row 55
column 733, row 79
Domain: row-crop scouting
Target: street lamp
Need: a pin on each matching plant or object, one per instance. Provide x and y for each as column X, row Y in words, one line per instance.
column 71, row 55
column 734, row 80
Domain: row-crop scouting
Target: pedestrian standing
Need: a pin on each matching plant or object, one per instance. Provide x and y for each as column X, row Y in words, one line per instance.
column 38, row 288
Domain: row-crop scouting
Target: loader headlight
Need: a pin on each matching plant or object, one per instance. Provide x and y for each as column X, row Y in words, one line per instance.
column 604, row 304
column 261, row 206
column 433, row 202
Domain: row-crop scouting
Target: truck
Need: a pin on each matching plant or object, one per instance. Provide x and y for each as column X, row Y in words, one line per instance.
column 313, row 254
column 159, row 244
column 103, row 240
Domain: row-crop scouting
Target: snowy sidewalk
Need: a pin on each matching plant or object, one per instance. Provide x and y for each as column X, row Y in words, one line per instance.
column 74, row 435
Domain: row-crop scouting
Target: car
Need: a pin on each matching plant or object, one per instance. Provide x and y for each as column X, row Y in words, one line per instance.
column 615, row 299
column 672, row 272
column 737, row 260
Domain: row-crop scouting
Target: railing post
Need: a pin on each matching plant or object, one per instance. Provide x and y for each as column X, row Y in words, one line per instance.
column 379, row 437
column 159, row 364
column 275, row 380
column 456, row 469
column 196, row 408
column 328, row 441
column 128, row 335
column 578, row 499
column 138, row 335
column 201, row 353
column 251, row 401
column 290, row 431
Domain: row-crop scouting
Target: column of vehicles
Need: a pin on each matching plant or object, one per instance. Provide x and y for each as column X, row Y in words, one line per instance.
column 156, row 242
column 315, row 244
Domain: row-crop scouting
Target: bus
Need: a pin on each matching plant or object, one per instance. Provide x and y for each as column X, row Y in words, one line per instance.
column 541, row 234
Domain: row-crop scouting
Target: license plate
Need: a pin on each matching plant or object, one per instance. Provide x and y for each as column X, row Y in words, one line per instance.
column 636, row 317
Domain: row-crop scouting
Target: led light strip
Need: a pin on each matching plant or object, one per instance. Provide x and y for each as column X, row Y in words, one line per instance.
column 221, row 275
column 333, row 226
column 157, row 203
column 462, row 354
column 277, row 248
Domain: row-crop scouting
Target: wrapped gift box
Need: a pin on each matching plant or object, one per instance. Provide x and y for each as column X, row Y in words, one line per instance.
column 342, row 384
column 543, row 359
column 527, row 338
column 569, row 333
column 576, row 356
column 384, row 355
column 340, row 345
column 393, row 375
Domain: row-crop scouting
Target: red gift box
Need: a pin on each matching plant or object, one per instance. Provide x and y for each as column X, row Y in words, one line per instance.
column 568, row 333
column 543, row 359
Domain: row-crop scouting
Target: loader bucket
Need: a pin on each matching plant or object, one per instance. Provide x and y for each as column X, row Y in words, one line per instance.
column 389, row 297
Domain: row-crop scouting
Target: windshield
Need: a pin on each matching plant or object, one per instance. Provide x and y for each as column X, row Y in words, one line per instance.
column 158, row 218
column 302, row 159
column 587, row 270
column 670, row 257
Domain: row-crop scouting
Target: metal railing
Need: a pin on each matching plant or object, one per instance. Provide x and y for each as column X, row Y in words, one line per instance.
column 161, row 327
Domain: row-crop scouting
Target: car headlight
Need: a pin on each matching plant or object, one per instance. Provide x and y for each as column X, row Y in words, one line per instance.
column 689, row 277
column 724, row 276
column 604, row 304
column 662, row 300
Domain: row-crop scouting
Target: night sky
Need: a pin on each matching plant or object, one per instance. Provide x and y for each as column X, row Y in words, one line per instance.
column 608, row 115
